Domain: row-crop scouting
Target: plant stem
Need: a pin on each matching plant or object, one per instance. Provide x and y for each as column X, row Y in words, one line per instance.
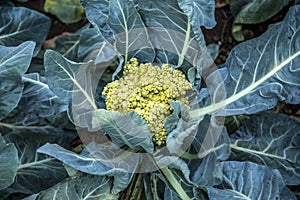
column 173, row 181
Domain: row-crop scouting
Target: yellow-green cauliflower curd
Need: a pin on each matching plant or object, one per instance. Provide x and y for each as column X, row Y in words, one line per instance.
column 147, row 90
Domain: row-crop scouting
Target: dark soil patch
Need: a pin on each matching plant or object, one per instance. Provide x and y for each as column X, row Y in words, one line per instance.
column 57, row 27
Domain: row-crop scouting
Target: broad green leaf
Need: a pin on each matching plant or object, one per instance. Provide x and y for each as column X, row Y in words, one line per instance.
column 38, row 98
column 85, row 187
column 120, row 23
column 246, row 180
column 261, row 71
column 76, row 83
column 210, row 146
column 130, row 37
column 181, row 129
column 170, row 31
column 68, row 45
column 88, row 162
column 174, row 176
column 253, row 12
column 14, row 62
column 38, row 109
column 200, row 13
column 35, row 171
column 90, row 39
column 97, row 14
column 8, row 163
column 270, row 139
column 61, row 74
column 37, row 64
column 124, row 129
column 85, row 162
column 67, row 11
column 233, row 123
column 20, row 24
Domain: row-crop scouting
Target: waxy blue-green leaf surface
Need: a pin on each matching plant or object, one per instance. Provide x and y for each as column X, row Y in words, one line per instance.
column 200, row 13
column 170, row 31
column 124, row 129
column 88, row 162
column 97, row 13
column 181, row 129
column 38, row 98
column 76, row 83
column 270, row 139
column 68, row 45
column 90, row 39
column 262, row 71
column 246, row 180
column 192, row 191
column 130, row 36
column 209, row 148
column 35, row 171
column 85, row 187
column 14, row 62
column 120, row 23
column 8, row 163
column 20, row 24
column 38, row 110
column 61, row 74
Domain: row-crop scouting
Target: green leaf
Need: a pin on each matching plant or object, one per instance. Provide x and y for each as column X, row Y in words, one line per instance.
column 76, row 83
column 233, row 123
column 200, row 13
column 38, row 109
column 14, row 62
column 170, row 32
column 83, row 162
column 181, row 129
column 61, row 74
column 253, row 12
column 124, row 129
column 130, row 34
column 85, row 187
column 67, row 11
column 8, row 163
column 97, row 13
column 261, row 71
column 38, row 98
column 210, row 146
column 246, row 180
column 90, row 39
column 270, row 139
column 120, row 23
column 192, row 191
column 68, row 45
column 88, row 162
column 35, row 171
column 20, row 24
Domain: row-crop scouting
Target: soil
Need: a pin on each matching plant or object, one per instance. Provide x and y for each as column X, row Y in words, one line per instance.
column 220, row 34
